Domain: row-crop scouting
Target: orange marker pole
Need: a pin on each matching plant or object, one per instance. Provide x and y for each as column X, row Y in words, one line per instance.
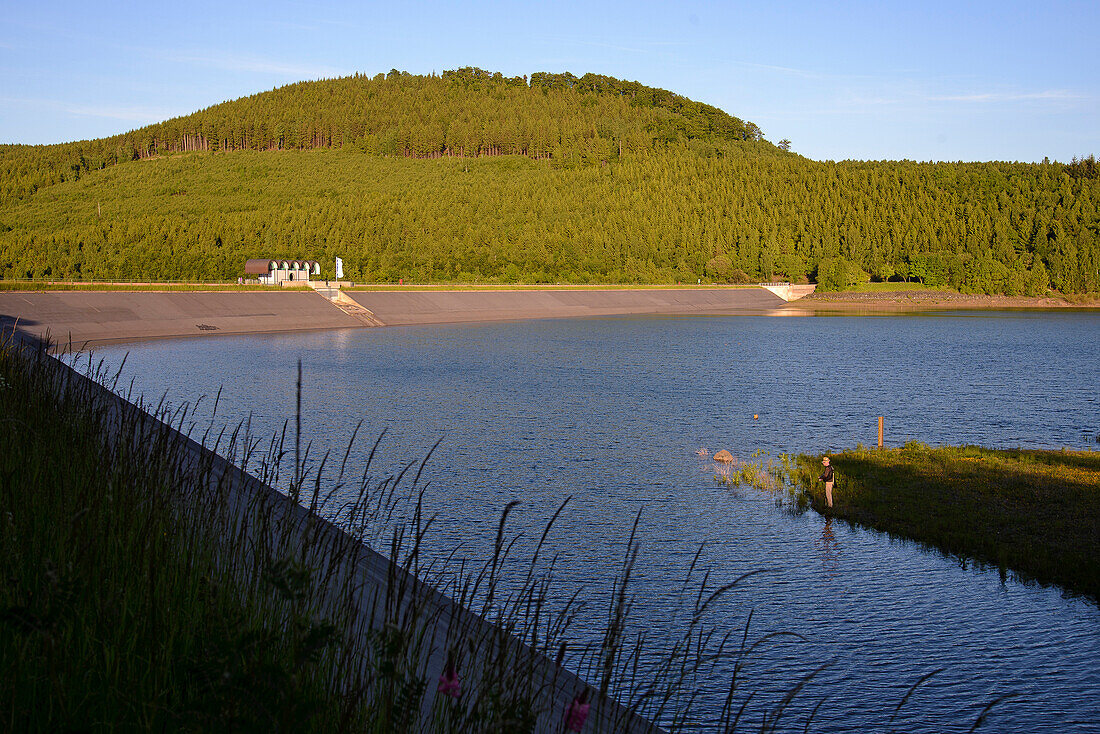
column 880, row 431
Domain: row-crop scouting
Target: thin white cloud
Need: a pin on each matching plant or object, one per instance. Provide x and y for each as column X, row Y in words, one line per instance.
column 600, row 44
column 314, row 24
column 292, row 26
column 559, row 62
column 818, row 74
column 142, row 115
column 126, row 113
column 257, row 65
column 784, row 70
column 637, row 46
column 1053, row 94
column 917, row 100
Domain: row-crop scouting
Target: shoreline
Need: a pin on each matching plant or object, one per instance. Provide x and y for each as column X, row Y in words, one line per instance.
column 79, row 319
column 85, row 318
column 918, row 301
column 1032, row 512
column 90, row 318
column 78, row 433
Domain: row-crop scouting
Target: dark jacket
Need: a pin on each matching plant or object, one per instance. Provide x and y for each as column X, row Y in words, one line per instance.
column 827, row 475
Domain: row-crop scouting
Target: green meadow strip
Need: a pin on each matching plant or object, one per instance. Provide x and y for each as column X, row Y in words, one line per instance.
column 1035, row 513
column 117, row 611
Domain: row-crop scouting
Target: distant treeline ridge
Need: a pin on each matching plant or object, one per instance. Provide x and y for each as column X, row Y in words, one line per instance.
column 467, row 112
column 553, row 179
column 664, row 217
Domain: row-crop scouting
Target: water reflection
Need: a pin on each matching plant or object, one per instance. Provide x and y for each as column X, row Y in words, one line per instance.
column 830, row 551
column 565, row 394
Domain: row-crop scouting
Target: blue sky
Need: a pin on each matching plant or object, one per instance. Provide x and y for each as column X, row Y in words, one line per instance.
column 868, row 80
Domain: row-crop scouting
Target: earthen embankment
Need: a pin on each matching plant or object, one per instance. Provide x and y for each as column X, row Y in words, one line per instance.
column 88, row 318
column 99, row 317
column 404, row 307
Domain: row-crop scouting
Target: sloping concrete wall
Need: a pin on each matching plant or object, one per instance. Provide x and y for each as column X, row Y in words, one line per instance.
column 403, row 307
column 87, row 318
column 371, row 575
column 790, row 291
column 112, row 316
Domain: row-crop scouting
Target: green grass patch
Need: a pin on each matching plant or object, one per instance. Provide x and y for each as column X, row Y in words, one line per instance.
column 117, row 612
column 1033, row 512
column 892, row 287
column 38, row 286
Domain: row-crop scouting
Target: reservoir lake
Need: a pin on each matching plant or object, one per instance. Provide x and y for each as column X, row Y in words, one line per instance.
column 610, row 412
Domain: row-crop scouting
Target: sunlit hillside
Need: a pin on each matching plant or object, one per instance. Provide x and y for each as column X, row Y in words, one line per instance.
column 470, row 176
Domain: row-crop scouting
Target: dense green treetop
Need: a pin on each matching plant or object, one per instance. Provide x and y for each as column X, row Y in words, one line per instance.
column 467, row 112
column 472, row 176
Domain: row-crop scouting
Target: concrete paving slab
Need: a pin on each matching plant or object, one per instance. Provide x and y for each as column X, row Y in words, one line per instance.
column 98, row 317
column 404, row 307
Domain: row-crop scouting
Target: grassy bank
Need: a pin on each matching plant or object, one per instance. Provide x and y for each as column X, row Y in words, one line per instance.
column 887, row 295
column 142, row 597
column 38, row 286
column 890, row 287
column 1035, row 513
column 118, row 611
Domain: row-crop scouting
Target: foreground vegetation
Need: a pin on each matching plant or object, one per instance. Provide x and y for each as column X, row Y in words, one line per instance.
column 470, row 177
column 116, row 613
column 139, row 597
column 1034, row 513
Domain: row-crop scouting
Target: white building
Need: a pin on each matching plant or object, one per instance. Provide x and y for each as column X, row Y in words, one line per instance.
column 276, row 272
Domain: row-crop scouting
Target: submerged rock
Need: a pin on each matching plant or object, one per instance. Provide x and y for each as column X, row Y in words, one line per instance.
column 724, row 456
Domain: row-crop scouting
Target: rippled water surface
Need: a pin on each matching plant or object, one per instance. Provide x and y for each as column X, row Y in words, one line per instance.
column 610, row 412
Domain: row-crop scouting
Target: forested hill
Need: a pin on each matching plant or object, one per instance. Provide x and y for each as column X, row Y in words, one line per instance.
column 473, row 177
column 466, row 112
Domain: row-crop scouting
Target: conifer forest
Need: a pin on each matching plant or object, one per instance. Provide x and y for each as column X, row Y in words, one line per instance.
column 470, row 176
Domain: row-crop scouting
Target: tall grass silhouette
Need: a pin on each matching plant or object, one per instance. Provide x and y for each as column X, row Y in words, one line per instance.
column 156, row 580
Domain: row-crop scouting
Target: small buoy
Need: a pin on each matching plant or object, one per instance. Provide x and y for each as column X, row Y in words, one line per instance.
column 755, row 416
column 724, row 456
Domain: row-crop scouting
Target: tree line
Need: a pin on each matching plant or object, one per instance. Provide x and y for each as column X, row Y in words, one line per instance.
column 688, row 209
column 467, row 112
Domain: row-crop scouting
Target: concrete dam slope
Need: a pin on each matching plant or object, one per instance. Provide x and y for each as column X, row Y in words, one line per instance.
column 405, row 307
column 364, row 590
column 88, row 318
column 98, row 317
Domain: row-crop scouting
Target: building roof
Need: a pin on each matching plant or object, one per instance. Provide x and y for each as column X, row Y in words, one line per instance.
column 258, row 266
column 263, row 266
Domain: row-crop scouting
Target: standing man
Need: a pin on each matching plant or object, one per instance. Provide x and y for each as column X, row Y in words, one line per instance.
column 827, row 477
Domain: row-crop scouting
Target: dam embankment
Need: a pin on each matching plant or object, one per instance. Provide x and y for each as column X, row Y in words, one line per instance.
column 405, row 307
column 364, row 592
column 87, row 318
column 100, row 317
